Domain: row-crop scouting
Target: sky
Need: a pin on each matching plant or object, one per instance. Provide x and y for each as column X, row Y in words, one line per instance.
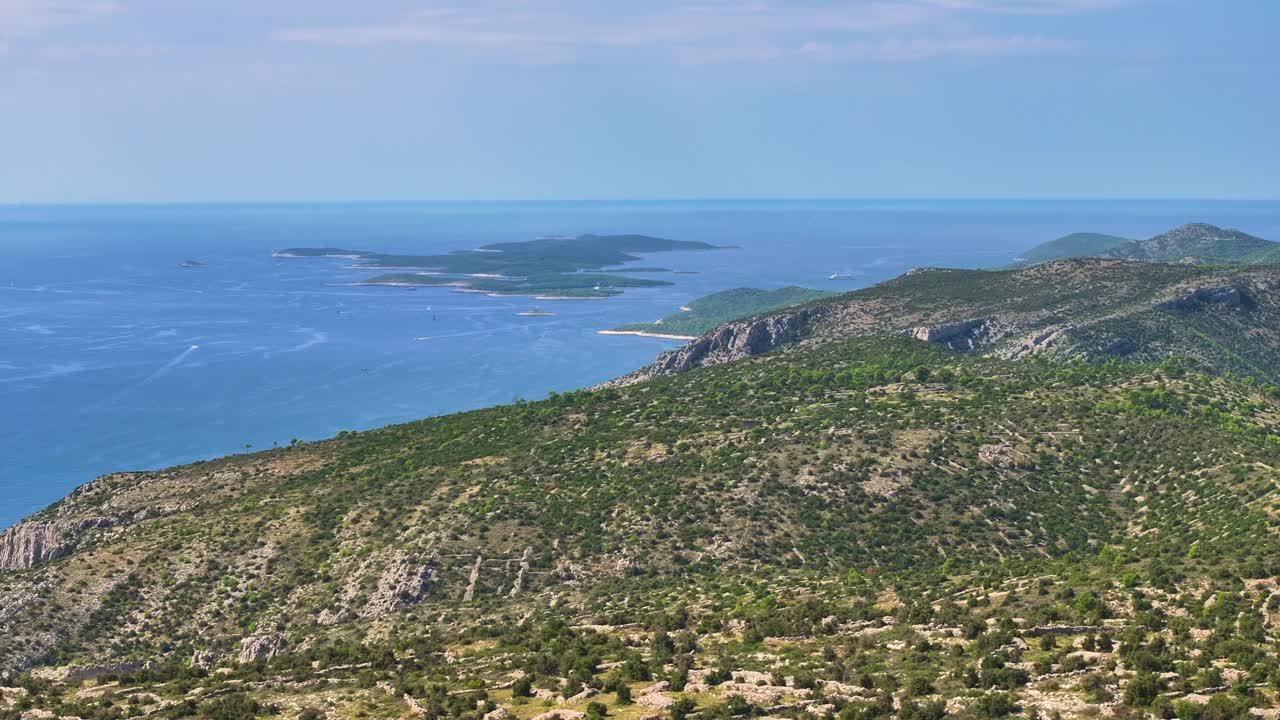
column 333, row 100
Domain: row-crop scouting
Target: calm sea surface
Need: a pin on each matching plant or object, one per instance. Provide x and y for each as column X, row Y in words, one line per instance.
column 114, row 357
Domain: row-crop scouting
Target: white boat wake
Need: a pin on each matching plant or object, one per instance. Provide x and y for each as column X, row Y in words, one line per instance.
column 168, row 366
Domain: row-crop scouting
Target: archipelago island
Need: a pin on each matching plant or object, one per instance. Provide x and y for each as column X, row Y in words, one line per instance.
column 548, row 268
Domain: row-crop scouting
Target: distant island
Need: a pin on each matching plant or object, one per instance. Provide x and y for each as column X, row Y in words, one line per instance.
column 548, row 268
column 706, row 313
column 1081, row 244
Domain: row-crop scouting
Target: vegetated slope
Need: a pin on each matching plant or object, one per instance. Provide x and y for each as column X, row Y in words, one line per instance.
column 1191, row 243
column 804, row 496
column 707, row 312
column 1092, row 309
column 1268, row 256
column 1081, row 244
column 1196, row 242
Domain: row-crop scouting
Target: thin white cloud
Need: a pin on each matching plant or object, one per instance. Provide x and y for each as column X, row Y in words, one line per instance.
column 80, row 52
column 914, row 49
column 706, row 31
column 890, row 50
column 562, row 24
column 1027, row 7
column 528, row 36
column 20, row 18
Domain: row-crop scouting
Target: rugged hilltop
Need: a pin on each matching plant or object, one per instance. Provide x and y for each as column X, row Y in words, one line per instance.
column 1088, row 309
column 1194, row 243
column 896, row 502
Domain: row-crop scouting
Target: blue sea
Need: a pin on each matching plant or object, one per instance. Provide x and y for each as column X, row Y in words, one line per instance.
column 115, row 357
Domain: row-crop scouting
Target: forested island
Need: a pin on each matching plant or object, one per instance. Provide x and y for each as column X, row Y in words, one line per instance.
column 551, row 267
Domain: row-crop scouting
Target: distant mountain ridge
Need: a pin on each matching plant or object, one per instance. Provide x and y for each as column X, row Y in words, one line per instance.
column 1190, row 243
column 1095, row 309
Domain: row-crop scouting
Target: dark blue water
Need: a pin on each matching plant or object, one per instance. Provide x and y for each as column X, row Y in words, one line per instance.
column 99, row 325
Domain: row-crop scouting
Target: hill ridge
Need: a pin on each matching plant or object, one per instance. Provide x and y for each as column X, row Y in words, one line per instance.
column 1196, row 242
column 1080, row 308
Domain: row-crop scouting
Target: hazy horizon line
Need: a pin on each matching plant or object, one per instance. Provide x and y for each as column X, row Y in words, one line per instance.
column 631, row 200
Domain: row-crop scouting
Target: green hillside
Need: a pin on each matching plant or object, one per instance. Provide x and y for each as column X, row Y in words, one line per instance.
column 1267, row 256
column 1197, row 242
column 1097, row 310
column 875, row 520
column 1192, row 243
column 835, row 526
column 1082, row 244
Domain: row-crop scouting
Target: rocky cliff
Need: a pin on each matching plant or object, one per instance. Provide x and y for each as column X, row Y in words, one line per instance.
column 730, row 342
column 28, row 544
column 1197, row 298
column 1087, row 309
column 964, row 335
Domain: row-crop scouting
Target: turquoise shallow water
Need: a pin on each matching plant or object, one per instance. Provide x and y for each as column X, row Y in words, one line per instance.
column 114, row 357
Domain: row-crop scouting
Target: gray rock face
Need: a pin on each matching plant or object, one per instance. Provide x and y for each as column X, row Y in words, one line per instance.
column 727, row 343
column 28, row 544
column 526, row 562
column 470, row 593
column 262, row 647
column 962, row 336
column 80, row 673
column 404, row 583
column 203, row 659
column 1043, row 340
column 1228, row 295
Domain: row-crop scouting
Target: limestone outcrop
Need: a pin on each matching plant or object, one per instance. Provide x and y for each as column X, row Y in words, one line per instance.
column 1228, row 295
column 963, row 335
column 470, row 593
column 262, row 647
column 526, row 562
column 728, row 343
column 31, row 543
column 402, row 584
column 1045, row 339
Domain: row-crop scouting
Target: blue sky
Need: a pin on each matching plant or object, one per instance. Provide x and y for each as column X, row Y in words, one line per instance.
column 195, row 100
